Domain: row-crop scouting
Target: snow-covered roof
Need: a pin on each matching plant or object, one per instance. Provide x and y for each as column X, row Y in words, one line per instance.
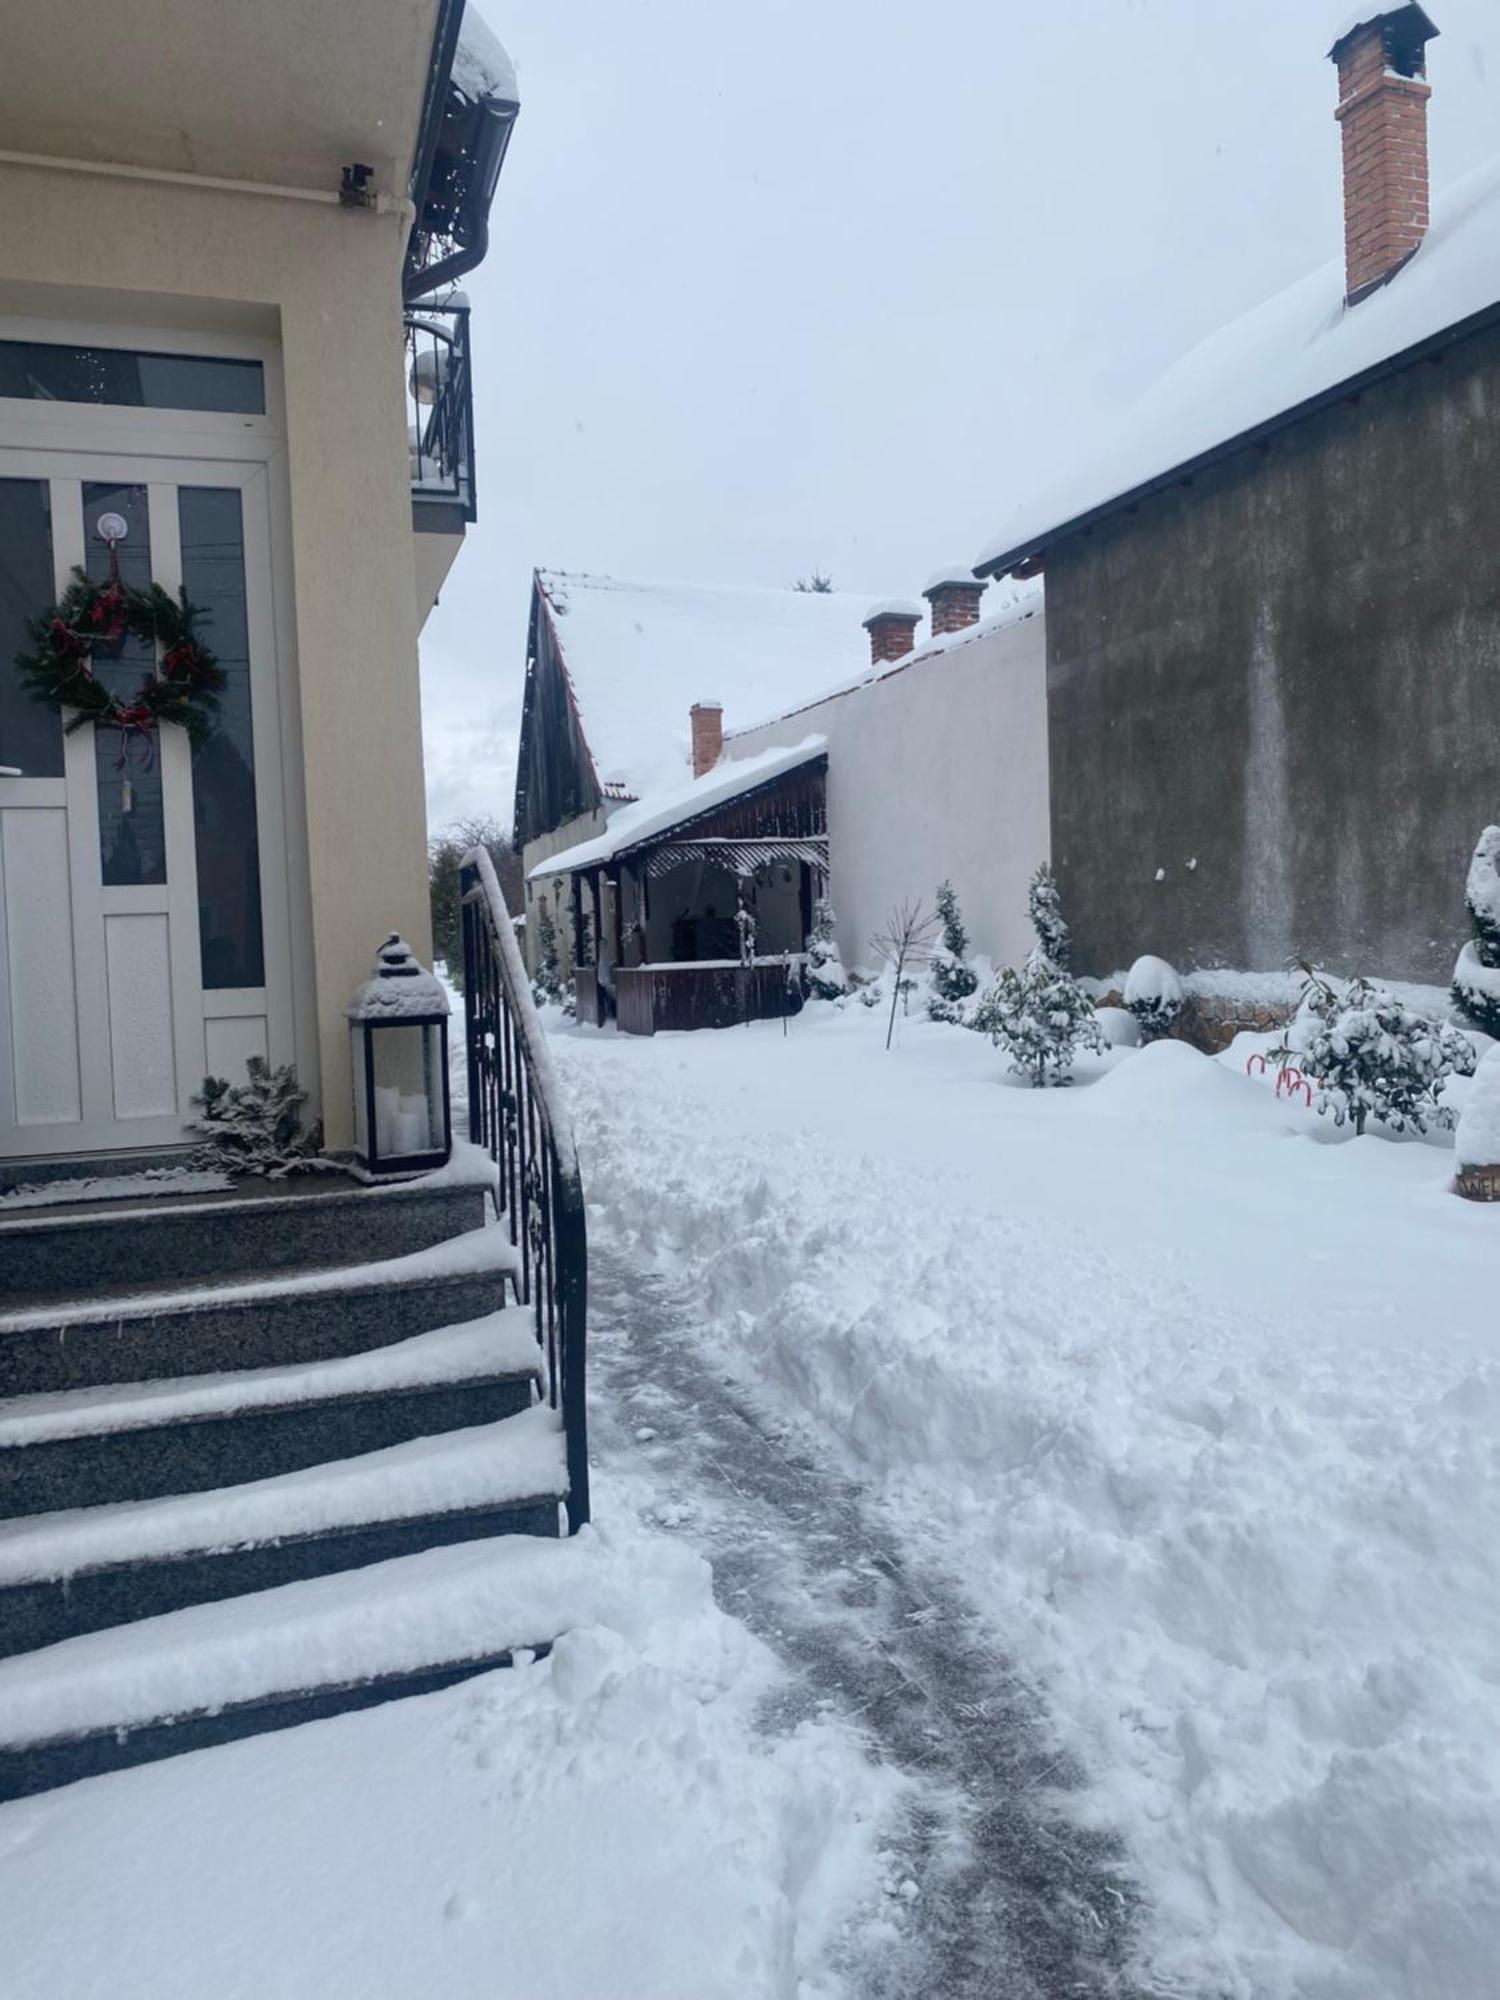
column 1296, row 348
column 671, row 805
column 638, row 655
column 1010, row 601
column 481, row 68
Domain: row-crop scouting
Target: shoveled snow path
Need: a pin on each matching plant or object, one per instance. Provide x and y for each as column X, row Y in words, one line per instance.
column 997, row 1889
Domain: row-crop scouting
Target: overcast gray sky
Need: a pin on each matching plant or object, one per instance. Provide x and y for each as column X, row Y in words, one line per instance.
column 808, row 283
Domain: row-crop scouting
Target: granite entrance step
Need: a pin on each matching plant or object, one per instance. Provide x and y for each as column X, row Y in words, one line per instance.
column 68, row 1573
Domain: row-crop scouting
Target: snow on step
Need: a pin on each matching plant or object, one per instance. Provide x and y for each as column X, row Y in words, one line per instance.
column 502, row 1343
column 448, row 1605
column 492, row 1465
column 474, row 1251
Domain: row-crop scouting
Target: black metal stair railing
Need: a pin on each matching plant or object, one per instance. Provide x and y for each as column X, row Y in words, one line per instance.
column 517, row 1113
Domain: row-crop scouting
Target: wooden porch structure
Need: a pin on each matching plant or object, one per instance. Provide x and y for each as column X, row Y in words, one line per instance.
column 703, row 923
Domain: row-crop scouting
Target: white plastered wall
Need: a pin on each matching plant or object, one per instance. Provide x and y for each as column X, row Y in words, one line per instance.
column 938, row 769
column 328, row 280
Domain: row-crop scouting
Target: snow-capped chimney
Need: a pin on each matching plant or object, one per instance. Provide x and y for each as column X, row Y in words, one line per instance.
column 707, row 718
column 1382, row 112
column 893, row 631
column 954, row 595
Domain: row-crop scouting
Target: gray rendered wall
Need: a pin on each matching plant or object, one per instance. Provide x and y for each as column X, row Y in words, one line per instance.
column 1288, row 673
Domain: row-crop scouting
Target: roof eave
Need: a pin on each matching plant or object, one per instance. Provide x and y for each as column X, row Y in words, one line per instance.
column 1027, row 558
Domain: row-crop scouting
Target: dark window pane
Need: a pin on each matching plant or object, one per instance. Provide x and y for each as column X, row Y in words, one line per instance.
column 213, row 572
column 132, row 840
column 31, row 734
column 40, row 371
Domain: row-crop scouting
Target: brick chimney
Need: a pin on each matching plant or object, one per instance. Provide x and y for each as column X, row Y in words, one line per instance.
column 1382, row 113
column 893, row 631
column 707, row 718
column 954, row 595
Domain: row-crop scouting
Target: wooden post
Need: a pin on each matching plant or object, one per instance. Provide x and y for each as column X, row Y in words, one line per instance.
column 575, row 883
column 805, row 899
column 619, row 911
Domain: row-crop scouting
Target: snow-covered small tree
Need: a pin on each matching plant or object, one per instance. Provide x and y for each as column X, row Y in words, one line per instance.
column 1153, row 993
column 953, row 978
column 1047, row 920
column 546, row 982
column 1372, row 1056
column 826, row 977
column 255, row 1127
column 1476, row 977
column 1041, row 1017
column 1038, row 1013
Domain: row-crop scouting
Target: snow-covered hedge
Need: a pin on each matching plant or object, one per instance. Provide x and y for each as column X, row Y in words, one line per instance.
column 1373, row 1056
column 1153, row 993
column 1476, row 977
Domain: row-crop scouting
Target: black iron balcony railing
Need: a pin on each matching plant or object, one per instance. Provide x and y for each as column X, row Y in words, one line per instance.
column 517, row 1113
column 440, row 409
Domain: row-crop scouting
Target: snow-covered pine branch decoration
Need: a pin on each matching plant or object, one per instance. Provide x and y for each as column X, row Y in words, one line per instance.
column 1154, row 995
column 255, row 1127
column 905, row 945
column 1372, row 1056
column 826, row 976
column 954, row 980
column 1476, row 977
column 1039, row 1014
column 1045, row 906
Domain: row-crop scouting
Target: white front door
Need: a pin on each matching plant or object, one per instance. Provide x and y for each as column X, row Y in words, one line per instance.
column 145, row 927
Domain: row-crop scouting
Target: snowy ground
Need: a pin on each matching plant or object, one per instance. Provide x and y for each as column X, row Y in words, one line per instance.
column 1101, row 1493
column 636, row 1817
column 1194, row 1402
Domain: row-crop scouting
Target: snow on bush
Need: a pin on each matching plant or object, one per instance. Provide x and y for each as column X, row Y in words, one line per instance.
column 826, row 976
column 1476, row 1143
column 1041, row 1017
column 546, row 982
column 1153, row 993
column 953, row 980
column 1476, row 977
column 1044, row 902
column 1372, row 1056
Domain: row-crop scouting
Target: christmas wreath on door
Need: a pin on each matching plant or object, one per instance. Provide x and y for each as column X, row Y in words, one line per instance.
column 58, row 666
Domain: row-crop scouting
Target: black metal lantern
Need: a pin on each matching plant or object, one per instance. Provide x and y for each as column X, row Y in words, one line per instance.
column 398, row 1047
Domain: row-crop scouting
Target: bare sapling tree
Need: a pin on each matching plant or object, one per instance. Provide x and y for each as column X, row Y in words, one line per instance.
column 905, row 945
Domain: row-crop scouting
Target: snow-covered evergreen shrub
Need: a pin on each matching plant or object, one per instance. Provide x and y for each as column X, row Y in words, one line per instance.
column 255, row 1127
column 1047, row 920
column 826, row 977
column 546, row 982
column 1153, row 993
column 1041, row 1017
column 1372, row 1056
column 1476, row 977
column 1476, row 1143
column 954, row 980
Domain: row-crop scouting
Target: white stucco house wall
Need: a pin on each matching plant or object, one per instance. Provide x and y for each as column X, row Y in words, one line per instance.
column 937, row 766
